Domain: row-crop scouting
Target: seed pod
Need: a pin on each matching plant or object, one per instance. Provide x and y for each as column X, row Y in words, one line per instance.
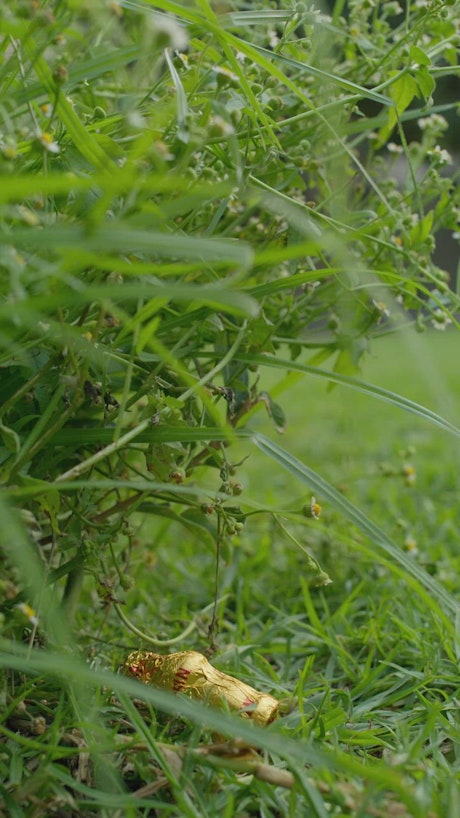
column 190, row 672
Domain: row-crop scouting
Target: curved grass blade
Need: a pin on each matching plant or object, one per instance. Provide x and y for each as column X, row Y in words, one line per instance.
column 182, row 107
column 17, row 187
column 420, row 579
column 347, row 85
column 124, row 239
column 154, row 434
column 359, row 386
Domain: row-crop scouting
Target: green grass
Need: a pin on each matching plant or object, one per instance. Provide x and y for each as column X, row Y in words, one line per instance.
column 375, row 670
column 217, row 234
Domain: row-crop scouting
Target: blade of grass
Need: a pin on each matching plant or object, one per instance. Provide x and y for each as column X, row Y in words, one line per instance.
column 156, row 434
column 353, row 383
column 16, row 188
column 182, row 107
column 347, row 85
column 124, row 239
column 437, row 598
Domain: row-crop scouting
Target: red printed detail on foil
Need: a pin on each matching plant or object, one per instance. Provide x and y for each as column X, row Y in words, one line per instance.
column 180, row 679
column 248, row 702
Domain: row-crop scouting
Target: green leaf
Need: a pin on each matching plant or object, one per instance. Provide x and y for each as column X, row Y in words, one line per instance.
column 182, row 107
column 10, row 438
column 346, row 362
column 402, row 91
column 425, row 82
column 420, row 231
column 418, row 56
column 274, row 410
column 123, row 238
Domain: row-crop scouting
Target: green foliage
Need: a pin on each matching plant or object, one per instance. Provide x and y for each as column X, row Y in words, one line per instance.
column 193, row 196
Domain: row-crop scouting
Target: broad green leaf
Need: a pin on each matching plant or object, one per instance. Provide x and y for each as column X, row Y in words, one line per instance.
column 402, row 91
column 418, row 56
column 425, row 82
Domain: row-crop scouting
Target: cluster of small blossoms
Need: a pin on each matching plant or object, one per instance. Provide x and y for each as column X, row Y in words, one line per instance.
column 439, row 156
column 435, row 123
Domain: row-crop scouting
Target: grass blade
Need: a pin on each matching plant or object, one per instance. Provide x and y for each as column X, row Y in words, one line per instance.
column 422, row 580
column 354, row 383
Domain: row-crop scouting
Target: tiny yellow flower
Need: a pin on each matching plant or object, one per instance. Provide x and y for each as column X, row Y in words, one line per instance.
column 9, row 151
column 409, row 473
column 313, row 509
column 47, row 141
column 28, row 612
column 410, row 544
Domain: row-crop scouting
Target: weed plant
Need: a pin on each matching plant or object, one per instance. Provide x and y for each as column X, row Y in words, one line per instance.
column 209, row 212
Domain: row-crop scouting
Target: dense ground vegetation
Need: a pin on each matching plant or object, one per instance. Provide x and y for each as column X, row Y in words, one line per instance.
column 210, row 215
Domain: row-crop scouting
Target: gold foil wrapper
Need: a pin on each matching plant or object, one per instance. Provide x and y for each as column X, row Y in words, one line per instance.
column 190, row 672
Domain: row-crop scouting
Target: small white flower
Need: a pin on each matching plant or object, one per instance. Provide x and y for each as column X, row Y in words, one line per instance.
column 312, row 509
column 47, row 141
column 434, row 122
column 171, row 30
column 382, row 308
column 440, row 155
column 273, row 38
column 28, row 612
column 410, row 544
